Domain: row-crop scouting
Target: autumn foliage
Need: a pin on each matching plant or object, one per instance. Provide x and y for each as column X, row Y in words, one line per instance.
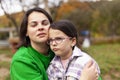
column 5, row 22
column 67, row 8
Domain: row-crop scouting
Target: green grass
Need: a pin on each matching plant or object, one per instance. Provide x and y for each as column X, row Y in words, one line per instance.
column 108, row 57
column 6, row 64
column 6, row 51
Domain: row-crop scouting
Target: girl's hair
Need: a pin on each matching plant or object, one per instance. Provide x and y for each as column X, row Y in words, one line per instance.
column 66, row 27
column 24, row 40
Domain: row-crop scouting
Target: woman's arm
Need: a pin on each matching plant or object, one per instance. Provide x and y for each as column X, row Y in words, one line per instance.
column 24, row 70
column 89, row 72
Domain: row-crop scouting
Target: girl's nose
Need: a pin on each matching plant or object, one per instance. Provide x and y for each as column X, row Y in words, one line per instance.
column 53, row 43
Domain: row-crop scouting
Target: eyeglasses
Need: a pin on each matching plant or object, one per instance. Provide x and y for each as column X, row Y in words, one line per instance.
column 35, row 23
column 57, row 40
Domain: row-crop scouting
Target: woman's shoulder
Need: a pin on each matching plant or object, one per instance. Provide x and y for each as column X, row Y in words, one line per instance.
column 21, row 54
column 22, row 50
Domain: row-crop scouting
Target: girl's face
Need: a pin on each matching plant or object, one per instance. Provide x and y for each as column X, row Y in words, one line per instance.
column 60, row 43
column 37, row 29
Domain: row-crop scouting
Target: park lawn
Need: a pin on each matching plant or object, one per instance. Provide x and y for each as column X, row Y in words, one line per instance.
column 7, row 51
column 108, row 57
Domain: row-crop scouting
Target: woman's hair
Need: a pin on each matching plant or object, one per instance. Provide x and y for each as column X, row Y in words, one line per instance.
column 24, row 40
column 66, row 27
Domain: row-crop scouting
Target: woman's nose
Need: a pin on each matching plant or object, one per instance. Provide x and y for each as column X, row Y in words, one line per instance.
column 40, row 27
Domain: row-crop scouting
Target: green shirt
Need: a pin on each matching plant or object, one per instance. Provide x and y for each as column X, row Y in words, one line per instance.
column 28, row 64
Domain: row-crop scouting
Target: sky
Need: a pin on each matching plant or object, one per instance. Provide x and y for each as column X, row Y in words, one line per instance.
column 17, row 8
column 14, row 8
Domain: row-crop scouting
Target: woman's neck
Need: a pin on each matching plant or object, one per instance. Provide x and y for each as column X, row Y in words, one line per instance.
column 41, row 48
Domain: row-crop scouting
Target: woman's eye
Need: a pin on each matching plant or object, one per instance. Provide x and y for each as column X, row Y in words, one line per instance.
column 45, row 22
column 33, row 24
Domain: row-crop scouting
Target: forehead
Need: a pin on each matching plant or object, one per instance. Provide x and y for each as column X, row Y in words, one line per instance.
column 36, row 16
column 56, row 33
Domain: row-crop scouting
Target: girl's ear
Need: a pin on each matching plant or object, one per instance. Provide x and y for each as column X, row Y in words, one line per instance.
column 73, row 41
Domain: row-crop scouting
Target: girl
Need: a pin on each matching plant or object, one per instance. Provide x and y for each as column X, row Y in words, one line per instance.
column 69, row 60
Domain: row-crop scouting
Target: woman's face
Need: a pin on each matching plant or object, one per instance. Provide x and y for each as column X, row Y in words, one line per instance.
column 60, row 43
column 37, row 29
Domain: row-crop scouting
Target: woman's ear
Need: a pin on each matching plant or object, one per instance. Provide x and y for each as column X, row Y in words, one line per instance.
column 26, row 34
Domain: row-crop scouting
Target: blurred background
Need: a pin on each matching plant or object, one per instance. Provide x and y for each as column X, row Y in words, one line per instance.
column 97, row 22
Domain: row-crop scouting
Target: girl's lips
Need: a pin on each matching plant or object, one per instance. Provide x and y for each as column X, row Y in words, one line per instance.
column 55, row 49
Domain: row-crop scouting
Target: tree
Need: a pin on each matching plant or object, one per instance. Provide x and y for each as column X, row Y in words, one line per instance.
column 100, row 17
column 7, row 14
column 106, row 17
column 79, row 13
column 6, row 6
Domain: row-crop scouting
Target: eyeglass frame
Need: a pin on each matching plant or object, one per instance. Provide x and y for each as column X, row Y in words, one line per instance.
column 57, row 40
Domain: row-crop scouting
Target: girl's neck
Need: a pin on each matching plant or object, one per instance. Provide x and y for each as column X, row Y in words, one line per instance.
column 67, row 56
column 41, row 48
column 65, row 59
column 64, row 63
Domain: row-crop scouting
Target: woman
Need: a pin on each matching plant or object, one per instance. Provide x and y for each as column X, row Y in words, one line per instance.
column 32, row 59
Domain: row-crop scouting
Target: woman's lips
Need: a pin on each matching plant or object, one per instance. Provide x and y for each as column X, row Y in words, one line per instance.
column 41, row 34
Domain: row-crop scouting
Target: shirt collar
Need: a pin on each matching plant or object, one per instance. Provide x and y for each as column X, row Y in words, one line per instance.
column 76, row 53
